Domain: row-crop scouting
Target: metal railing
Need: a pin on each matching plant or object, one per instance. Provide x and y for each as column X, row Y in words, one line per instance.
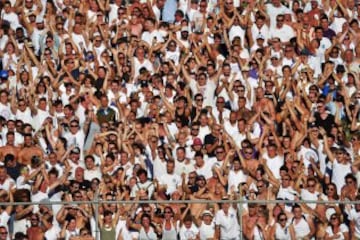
column 239, row 203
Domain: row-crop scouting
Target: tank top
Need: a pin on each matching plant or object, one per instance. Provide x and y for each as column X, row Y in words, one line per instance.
column 301, row 228
column 151, row 235
column 207, row 231
column 170, row 234
column 107, row 233
column 282, row 233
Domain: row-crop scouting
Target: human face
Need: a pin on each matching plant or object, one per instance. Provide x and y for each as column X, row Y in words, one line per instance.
column 170, row 167
column 285, row 180
column 311, row 186
column 282, row 219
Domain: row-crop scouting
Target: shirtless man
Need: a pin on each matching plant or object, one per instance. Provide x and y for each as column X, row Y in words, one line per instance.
column 249, row 219
column 29, row 150
column 249, row 162
column 264, row 104
column 9, row 148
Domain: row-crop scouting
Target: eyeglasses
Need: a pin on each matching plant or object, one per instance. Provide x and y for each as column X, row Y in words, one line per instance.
column 104, row 126
column 191, row 177
column 3, row 233
column 282, row 219
column 333, row 218
column 229, row 3
column 220, row 102
column 219, row 152
column 195, row 129
column 248, row 152
column 74, row 125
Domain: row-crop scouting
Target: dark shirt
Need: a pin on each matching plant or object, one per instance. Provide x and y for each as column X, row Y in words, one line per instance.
column 326, row 123
column 329, row 33
column 105, row 115
column 14, row 172
column 210, row 139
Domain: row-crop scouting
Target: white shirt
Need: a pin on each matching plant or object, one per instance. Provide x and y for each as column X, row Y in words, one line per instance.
column 207, row 231
column 188, row 233
column 148, row 37
column 301, row 228
column 285, row 33
column 353, row 215
column 235, row 178
column 229, row 225
column 171, row 180
column 343, row 229
column 274, row 164
column 339, row 173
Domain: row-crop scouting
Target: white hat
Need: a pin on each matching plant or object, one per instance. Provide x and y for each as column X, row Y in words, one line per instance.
column 184, row 29
column 260, row 36
column 207, row 212
column 39, row 19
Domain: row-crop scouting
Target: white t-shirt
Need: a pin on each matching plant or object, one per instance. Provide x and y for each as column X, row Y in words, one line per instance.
column 188, row 233
column 235, row 178
column 285, row 33
column 353, row 215
column 171, row 180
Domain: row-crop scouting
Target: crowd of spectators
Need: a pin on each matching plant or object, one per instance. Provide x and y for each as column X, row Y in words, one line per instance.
column 179, row 100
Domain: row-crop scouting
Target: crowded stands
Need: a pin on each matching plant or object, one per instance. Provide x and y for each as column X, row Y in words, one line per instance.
column 116, row 100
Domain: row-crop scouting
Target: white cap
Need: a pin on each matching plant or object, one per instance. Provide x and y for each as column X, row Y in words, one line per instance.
column 39, row 19
column 260, row 36
column 207, row 212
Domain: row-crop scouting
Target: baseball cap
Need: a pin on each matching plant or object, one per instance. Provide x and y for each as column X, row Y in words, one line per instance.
column 197, row 141
column 39, row 19
column 260, row 36
column 4, row 74
column 76, row 150
column 207, row 212
column 184, row 29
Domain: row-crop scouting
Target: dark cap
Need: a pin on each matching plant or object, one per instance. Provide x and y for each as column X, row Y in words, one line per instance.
column 305, row 52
